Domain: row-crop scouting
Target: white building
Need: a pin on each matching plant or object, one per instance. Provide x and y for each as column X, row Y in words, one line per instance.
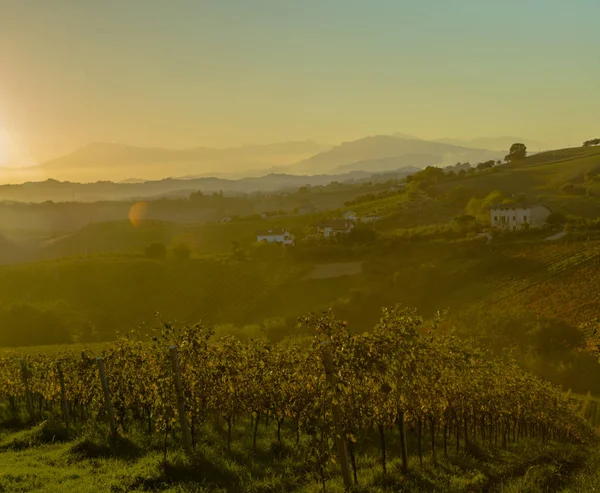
column 275, row 235
column 516, row 216
column 335, row 227
column 350, row 215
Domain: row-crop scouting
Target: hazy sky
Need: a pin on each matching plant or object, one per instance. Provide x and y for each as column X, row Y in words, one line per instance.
column 227, row 72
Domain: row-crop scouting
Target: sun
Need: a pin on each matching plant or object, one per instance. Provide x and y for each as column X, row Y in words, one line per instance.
column 12, row 154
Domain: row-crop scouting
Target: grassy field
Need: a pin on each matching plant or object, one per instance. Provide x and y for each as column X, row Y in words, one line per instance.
column 103, row 295
column 46, row 458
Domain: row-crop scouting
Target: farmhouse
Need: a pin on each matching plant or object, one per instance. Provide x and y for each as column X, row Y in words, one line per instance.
column 350, row 215
column 335, row 227
column 275, row 235
column 516, row 216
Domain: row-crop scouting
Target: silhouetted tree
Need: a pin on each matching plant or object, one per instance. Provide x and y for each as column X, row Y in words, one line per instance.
column 517, row 152
column 486, row 165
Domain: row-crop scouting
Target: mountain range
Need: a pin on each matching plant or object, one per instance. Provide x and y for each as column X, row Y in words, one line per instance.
column 380, row 153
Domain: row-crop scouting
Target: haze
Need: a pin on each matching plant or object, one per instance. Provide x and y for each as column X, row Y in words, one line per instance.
column 186, row 73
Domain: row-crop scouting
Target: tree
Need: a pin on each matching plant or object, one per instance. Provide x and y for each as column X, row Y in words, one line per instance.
column 486, row 165
column 480, row 207
column 593, row 142
column 517, row 152
column 156, row 251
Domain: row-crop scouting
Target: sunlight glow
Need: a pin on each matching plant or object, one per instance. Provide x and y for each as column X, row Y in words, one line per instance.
column 13, row 155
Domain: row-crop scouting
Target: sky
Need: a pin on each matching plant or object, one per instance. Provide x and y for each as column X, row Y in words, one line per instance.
column 227, row 72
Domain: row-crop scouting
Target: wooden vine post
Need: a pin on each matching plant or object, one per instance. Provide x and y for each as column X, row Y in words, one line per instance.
column 63, row 394
column 403, row 447
column 25, row 376
column 183, row 422
column 107, row 399
column 342, row 450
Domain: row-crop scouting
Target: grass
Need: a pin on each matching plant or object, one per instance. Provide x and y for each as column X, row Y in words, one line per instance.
column 91, row 463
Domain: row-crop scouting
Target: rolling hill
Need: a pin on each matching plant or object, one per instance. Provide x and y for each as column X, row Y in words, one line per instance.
column 66, row 191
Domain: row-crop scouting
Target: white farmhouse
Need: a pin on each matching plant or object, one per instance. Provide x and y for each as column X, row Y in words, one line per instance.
column 335, row 227
column 350, row 215
column 516, row 216
column 275, row 235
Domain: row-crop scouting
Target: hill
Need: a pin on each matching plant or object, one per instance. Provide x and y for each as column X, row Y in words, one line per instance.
column 384, row 146
column 65, row 191
column 564, row 179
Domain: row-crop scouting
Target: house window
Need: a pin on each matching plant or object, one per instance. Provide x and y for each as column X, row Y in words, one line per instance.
column 514, row 218
column 495, row 218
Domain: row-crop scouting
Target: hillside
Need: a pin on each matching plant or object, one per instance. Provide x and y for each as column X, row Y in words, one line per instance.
column 564, row 179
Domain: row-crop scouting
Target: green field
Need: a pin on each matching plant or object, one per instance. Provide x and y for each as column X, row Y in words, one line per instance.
column 90, row 466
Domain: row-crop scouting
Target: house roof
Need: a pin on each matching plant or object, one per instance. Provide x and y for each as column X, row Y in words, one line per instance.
column 517, row 206
column 339, row 224
column 272, row 232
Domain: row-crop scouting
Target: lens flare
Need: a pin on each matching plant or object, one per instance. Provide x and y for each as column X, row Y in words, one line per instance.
column 138, row 213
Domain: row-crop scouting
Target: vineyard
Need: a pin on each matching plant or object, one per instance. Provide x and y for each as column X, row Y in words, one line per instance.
column 417, row 390
column 561, row 281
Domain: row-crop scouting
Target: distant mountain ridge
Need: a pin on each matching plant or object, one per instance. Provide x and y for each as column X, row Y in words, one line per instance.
column 381, row 147
column 100, row 161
